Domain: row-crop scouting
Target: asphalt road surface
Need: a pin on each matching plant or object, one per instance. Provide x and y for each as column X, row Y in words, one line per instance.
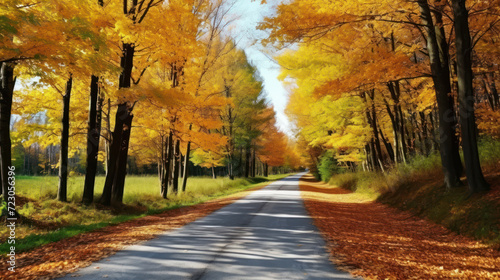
column 266, row 235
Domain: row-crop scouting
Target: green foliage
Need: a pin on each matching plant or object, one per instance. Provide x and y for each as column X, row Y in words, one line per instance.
column 328, row 165
column 370, row 184
column 420, row 163
column 489, row 150
column 7, row 26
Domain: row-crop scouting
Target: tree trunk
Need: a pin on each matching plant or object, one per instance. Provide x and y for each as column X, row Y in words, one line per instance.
column 230, row 168
column 375, row 149
column 214, row 176
column 253, row 163
column 121, row 165
column 166, row 165
column 425, row 134
column 114, row 151
column 7, row 82
column 186, row 164
column 387, row 145
column 448, row 147
column 107, row 142
column 375, row 129
column 247, row 162
column 402, row 134
column 392, row 116
column 181, row 169
column 93, row 135
column 62, row 191
column 266, row 170
column 475, row 177
column 492, row 89
column 175, row 161
column 117, row 163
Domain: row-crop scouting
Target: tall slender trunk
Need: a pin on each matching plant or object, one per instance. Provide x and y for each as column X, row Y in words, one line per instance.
column 230, row 136
column 402, row 133
column 375, row 149
column 107, row 142
column 175, row 161
column 166, row 165
column 93, row 135
column 186, row 165
column 181, row 169
column 395, row 131
column 7, row 82
column 62, row 191
column 463, row 44
column 438, row 55
column 247, row 162
column 491, row 87
column 425, row 135
column 253, row 163
column 375, row 128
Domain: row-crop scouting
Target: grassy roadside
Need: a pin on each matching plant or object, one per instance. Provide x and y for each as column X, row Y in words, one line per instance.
column 48, row 220
column 418, row 188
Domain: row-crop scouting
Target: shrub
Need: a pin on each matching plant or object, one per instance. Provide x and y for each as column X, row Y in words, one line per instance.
column 328, row 166
column 489, row 150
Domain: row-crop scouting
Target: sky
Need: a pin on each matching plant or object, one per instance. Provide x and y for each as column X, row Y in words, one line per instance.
column 248, row 14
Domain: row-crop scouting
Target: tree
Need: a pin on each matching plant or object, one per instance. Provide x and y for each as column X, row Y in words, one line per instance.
column 437, row 48
column 475, row 177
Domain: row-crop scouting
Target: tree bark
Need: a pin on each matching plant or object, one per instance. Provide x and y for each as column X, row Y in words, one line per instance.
column 491, row 90
column 425, row 134
column 7, row 83
column 247, row 162
column 176, row 159
column 93, row 135
column 62, row 191
column 253, row 163
column 121, row 164
column 214, row 176
column 166, row 165
column 116, row 173
column 114, row 151
column 475, row 177
column 186, row 164
column 388, row 146
column 438, row 55
column 107, row 142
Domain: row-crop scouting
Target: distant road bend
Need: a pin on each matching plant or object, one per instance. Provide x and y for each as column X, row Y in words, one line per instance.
column 266, row 235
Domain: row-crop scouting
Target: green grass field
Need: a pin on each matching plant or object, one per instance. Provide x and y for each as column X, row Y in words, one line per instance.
column 49, row 220
column 138, row 189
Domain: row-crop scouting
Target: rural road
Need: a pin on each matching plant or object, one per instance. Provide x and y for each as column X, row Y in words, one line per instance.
column 266, row 235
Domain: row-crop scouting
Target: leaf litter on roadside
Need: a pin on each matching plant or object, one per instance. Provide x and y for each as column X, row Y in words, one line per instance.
column 375, row 241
